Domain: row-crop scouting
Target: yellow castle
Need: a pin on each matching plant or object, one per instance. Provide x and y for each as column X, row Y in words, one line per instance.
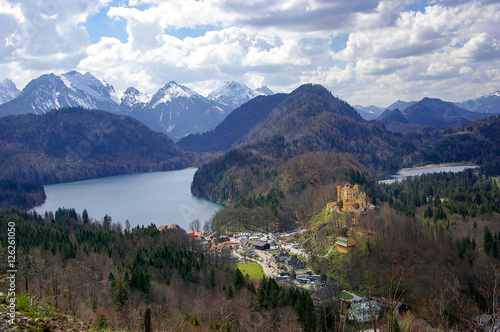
column 352, row 199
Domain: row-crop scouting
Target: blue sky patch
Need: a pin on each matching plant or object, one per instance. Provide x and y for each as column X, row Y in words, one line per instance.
column 100, row 25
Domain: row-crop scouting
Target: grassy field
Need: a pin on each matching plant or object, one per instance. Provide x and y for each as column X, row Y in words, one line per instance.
column 254, row 271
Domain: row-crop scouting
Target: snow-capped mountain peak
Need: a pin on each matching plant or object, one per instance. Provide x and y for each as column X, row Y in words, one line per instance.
column 172, row 91
column 132, row 97
column 51, row 91
column 232, row 94
column 8, row 91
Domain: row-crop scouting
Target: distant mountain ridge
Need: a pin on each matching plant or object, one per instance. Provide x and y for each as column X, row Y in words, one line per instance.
column 485, row 104
column 401, row 105
column 368, row 112
column 235, row 126
column 428, row 113
column 174, row 109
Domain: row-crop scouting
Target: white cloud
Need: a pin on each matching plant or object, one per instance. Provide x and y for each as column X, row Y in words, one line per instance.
column 43, row 36
column 451, row 48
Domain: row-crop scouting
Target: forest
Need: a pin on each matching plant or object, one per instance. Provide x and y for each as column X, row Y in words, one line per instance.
column 124, row 272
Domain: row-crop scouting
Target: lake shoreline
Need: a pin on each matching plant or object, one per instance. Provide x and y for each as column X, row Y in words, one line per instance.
column 427, row 169
column 162, row 198
column 453, row 164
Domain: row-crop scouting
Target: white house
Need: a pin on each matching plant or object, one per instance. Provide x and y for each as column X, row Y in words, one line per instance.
column 362, row 312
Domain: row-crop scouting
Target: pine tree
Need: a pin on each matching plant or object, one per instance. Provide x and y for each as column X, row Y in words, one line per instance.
column 85, row 216
column 440, row 214
column 428, row 212
column 120, row 295
column 488, row 240
column 211, row 278
column 238, row 280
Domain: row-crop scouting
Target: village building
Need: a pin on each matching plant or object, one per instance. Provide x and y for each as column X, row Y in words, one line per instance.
column 291, row 264
column 195, row 234
column 246, row 249
column 345, row 244
column 279, row 260
column 259, row 245
column 364, row 312
column 223, row 251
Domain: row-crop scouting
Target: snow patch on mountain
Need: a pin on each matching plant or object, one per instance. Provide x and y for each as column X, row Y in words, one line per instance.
column 133, row 97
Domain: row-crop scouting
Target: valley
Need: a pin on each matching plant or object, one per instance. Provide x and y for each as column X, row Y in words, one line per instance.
column 276, row 163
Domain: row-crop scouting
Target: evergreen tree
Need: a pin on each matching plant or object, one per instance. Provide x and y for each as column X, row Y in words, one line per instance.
column 106, row 223
column 238, row 280
column 85, row 216
column 230, row 292
column 211, row 278
column 440, row 214
column 120, row 295
column 488, row 240
column 428, row 212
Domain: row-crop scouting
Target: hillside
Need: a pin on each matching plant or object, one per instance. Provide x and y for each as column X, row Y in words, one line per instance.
column 74, row 144
column 235, row 126
column 83, row 275
column 265, row 195
column 309, row 119
column 20, row 195
column 477, row 142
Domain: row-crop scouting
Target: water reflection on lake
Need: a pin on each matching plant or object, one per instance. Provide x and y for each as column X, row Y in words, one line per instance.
column 161, row 198
column 404, row 173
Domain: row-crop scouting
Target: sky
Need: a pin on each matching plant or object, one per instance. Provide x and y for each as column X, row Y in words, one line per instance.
column 366, row 52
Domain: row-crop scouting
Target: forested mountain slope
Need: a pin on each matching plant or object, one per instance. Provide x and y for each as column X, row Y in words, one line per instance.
column 236, row 125
column 477, row 142
column 309, row 119
column 73, row 144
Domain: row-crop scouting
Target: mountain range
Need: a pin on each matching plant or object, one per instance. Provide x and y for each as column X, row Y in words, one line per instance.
column 174, row 109
column 489, row 104
column 485, row 104
column 289, row 125
column 428, row 113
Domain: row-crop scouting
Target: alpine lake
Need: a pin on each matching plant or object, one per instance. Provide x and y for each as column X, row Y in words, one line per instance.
column 161, row 198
